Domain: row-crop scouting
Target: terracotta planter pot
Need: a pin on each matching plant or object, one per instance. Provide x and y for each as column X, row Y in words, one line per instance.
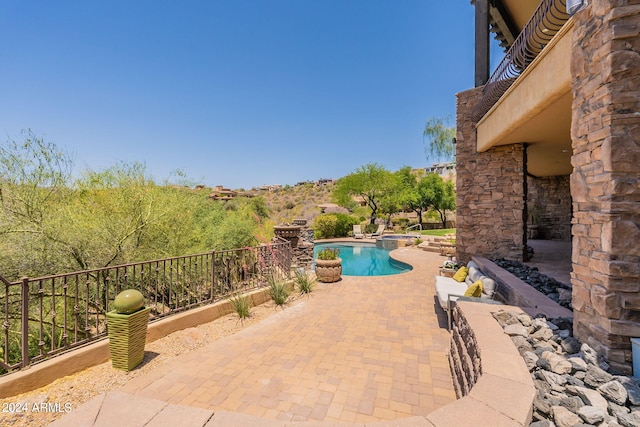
column 329, row 270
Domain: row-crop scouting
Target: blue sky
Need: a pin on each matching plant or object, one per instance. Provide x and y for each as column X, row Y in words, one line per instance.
column 238, row 93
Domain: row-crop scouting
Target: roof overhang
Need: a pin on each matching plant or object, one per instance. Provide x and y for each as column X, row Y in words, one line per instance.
column 536, row 110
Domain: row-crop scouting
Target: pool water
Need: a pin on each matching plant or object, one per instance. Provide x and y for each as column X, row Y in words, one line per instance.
column 361, row 259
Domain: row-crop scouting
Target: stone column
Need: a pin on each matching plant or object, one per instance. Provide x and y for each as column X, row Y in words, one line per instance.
column 490, row 191
column 605, row 183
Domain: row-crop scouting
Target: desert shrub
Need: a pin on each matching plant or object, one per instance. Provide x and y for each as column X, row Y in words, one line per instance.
column 241, row 305
column 329, row 254
column 337, row 209
column 400, row 222
column 278, row 292
column 333, row 225
column 303, row 282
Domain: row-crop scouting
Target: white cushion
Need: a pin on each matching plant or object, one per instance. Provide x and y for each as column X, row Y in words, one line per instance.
column 446, row 286
column 488, row 287
column 474, row 274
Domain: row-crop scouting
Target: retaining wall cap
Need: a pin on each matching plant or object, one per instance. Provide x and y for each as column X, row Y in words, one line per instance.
column 505, row 386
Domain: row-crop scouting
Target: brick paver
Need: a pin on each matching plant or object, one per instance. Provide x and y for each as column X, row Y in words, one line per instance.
column 361, row 350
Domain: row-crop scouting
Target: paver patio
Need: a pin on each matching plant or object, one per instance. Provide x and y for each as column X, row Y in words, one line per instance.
column 362, row 350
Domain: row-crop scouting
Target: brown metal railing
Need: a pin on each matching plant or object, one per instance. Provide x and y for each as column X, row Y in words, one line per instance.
column 546, row 21
column 45, row 316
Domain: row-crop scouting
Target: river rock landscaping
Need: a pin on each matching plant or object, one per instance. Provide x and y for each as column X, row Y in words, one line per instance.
column 557, row 291
column 574, row 388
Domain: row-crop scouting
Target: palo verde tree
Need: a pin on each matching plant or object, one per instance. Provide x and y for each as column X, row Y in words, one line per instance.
column 113, row 208
column 371, row 182
column 439, row 136
column 34, row 177
column 50, row 223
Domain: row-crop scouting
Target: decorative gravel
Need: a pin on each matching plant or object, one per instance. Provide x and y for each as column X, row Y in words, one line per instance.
column 47, row 404
column 557, row 291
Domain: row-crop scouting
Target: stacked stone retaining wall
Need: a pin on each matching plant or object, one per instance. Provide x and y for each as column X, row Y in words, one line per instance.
column 496, row 387
column 464, row 357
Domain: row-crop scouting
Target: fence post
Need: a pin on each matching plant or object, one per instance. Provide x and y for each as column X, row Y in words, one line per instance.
column 213, row 276
column 25, row 322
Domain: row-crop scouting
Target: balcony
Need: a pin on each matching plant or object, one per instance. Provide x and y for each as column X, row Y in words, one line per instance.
column 528, row 98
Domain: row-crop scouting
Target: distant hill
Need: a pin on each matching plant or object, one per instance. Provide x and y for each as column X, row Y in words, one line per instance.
column 299, row 201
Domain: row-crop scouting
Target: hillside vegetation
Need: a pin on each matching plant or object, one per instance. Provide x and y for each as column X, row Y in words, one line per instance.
column 52, row 223
column 53, row 220
column 300, row 201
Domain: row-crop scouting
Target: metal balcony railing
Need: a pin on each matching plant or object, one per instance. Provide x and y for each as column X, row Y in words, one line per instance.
column 546, row 21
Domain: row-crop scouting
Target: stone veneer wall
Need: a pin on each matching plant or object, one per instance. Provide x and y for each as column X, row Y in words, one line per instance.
column 605, row 183
column 490, row 191
column 552, row 197
column 464, row 356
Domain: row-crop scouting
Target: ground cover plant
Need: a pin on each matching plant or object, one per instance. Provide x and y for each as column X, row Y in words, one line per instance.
column 303, row 282
column 278, row 291
column 241, row 305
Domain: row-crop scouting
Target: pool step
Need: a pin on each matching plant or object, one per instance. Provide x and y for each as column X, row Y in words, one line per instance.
column 437, row 244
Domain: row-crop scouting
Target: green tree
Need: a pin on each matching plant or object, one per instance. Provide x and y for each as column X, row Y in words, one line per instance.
column 371, row 182
column 106, row 221
column 440, row 135
column 401, row 194
column 259, row 206
column 438, row 194
column 33, row 183
column 410, row 192
column 51, row 224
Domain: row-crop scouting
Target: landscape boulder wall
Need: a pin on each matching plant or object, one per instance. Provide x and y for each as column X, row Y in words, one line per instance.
column 572, row 384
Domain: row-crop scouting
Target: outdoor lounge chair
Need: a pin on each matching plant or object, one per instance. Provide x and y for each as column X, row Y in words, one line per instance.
column 379, row 231
column 357, row 232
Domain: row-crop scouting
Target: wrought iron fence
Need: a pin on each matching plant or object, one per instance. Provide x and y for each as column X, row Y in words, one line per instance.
column 45, row 316
column 546, row 21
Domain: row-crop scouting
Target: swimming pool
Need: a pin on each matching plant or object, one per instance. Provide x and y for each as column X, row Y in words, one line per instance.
column 362, row 259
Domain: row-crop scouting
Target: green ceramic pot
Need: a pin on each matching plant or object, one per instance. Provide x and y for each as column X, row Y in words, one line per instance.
column 128, row 301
